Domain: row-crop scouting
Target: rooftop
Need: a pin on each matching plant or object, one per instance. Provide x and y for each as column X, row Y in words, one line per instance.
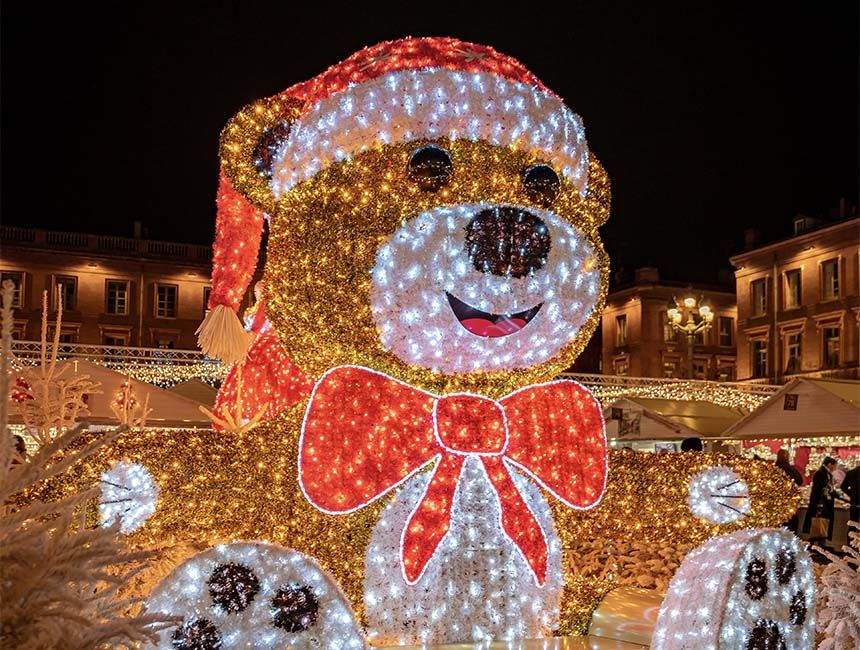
column 110, row 245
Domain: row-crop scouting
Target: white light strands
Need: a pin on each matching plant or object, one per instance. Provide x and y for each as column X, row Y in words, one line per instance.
column 128, row 493
column 719, row 495
column 433, row 103
column 427, row 291
column 254, row 595
column 476, row 586
column 751, row 590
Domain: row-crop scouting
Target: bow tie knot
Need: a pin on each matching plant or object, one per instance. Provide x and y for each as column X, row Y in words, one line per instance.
column 470, row 424
column 364, row 433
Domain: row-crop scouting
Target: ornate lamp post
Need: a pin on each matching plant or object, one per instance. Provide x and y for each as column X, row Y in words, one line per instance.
column 689, row 317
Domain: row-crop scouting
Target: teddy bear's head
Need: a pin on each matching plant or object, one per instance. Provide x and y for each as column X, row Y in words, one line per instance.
column 433, row 213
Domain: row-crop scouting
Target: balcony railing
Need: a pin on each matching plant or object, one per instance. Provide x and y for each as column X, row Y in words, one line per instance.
column 53, row 239
column 30, row 351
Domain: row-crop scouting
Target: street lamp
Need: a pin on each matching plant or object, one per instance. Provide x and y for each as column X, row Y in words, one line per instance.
column 689, row 317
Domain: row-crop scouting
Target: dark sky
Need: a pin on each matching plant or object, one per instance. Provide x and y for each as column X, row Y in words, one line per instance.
column 709, row 120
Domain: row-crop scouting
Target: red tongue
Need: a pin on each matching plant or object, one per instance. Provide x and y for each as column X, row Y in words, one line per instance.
column 484, row 327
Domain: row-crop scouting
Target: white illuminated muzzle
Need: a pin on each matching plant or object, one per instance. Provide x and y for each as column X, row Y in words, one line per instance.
column 440, row 304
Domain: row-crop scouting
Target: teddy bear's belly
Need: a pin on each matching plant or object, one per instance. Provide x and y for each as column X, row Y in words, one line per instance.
column 477, row 585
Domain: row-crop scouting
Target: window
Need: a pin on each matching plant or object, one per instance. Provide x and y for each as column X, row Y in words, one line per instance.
column 115, row 339
column 117, row 297
column 759, row 358
column 726, row 326
column 758, row 291
column 700, row 337
column 17, row 278
column 726, row 372
column 68, row 337
column 793, row 352
column 830, row 280
column 165, row 300
column 792, row 298
column 700, row 369
column 621, row 330
column 165, row 343
column 622, row 367
column 670, row 368
column 830, row 347
column 668, row 331
column 67, row 291
column 207, row 291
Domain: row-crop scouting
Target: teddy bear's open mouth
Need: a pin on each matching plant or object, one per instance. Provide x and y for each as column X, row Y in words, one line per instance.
column 481, row 323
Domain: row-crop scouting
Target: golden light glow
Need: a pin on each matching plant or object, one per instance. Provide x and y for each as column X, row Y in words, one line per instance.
column 324, row 238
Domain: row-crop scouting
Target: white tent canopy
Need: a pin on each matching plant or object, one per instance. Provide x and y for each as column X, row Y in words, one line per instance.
column 804, row 408
column 169, row 410
column 197, row 390
column 634, row 418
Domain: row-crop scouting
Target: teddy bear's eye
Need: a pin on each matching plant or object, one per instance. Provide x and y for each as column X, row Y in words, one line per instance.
column 541, row 183
column 430, row 166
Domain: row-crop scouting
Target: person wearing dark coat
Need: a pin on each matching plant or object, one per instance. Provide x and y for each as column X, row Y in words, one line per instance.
column 851, row 487
column 790, row 470
column 822, row 497
column 785, row 465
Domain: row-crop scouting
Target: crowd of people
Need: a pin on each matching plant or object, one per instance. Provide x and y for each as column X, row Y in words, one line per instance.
column 829, row 484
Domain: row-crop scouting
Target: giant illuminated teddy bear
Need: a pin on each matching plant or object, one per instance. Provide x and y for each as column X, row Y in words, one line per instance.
column 432, row 264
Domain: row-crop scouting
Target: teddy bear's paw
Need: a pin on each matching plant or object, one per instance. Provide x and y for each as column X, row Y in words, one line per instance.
column 129, row 494
column 752, row 590
column 253, row 595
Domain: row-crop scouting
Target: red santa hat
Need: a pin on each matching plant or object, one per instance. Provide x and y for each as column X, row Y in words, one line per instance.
column 397, row 91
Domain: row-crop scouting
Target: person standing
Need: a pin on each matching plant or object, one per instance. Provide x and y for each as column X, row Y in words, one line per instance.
column 821, row 500
column 851, row 487
column 785, row 465
column 790, row 470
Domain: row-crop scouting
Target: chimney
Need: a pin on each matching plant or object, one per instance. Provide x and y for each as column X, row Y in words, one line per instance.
column 751, row 238
column 647, row 275
column 138, row 230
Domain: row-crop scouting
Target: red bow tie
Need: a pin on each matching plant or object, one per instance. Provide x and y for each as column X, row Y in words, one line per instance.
column 365, row 433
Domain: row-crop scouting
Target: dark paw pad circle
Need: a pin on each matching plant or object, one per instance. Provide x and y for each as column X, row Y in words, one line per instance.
column 233, row 586
column 786, row 564
column 199, row 634
column 756, row 579
column 295, row 609
column 797, row 609
column 766, row 636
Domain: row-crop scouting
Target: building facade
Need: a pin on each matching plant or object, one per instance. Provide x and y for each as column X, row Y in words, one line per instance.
column 114, row 290
column 638, row 339
column 799, row 304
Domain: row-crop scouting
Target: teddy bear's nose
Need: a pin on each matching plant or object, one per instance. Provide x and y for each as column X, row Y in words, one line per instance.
column 507, row 241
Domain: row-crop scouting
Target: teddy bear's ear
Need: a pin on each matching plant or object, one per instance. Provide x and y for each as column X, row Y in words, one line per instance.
column 599, row 196
column 250, row 142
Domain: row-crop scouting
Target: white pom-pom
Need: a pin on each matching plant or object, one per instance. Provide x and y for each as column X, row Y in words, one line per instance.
column 221, row 335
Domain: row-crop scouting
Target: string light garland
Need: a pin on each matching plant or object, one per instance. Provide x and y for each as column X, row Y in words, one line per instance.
column 256, row 595
column 752, row 589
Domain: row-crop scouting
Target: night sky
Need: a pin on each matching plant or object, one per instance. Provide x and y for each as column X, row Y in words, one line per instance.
column 709, row 120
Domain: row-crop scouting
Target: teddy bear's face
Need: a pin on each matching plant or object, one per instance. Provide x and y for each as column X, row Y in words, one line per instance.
column 449, row 264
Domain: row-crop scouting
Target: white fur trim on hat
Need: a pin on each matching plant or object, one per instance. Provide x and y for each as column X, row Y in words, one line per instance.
column 432, row 103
